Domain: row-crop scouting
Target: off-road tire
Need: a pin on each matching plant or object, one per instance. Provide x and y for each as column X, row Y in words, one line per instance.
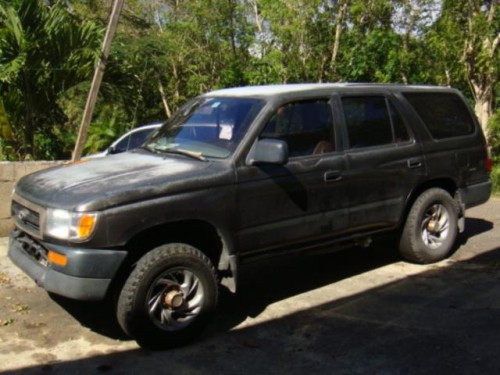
column 132, row 309
column 412, row 244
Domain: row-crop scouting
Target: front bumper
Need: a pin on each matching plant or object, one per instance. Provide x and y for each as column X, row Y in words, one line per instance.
column 88, row 273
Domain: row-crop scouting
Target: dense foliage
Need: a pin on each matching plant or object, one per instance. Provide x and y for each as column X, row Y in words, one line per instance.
column 166, row 51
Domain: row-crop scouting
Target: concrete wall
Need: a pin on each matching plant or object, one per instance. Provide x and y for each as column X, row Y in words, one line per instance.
column 10, row 172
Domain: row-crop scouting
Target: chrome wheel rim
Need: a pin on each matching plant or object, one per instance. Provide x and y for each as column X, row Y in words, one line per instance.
column 435, row 226
column 175, row 299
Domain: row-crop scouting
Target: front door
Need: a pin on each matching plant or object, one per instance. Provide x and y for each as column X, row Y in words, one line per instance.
column 282, row 207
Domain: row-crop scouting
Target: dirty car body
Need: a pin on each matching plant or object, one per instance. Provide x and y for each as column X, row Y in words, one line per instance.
column 240, row 174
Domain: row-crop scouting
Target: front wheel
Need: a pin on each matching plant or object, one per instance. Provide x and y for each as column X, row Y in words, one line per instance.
column 431, row 227
column 169, row 297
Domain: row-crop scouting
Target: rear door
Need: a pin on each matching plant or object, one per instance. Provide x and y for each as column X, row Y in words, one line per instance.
column 385, row 162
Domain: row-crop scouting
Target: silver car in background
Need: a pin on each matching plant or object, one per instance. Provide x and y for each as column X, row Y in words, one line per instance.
column 130, row 140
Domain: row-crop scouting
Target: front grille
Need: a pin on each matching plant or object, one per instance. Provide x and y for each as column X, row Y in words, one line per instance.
column 33, row 248
column 27, row 216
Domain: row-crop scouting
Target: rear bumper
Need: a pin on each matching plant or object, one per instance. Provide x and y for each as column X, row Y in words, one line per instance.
column 87, row 276
column 474, row 195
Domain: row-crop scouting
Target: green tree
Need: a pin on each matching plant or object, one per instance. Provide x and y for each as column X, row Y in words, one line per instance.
column 167, row 51
column 466, row 39
column 44, row 51
column 296, row 40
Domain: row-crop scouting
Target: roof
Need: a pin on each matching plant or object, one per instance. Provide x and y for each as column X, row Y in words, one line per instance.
column 271, row 90
column 268, row 90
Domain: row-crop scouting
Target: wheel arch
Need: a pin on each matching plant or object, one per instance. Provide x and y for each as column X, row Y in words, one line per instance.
column 446, row 184
column 214, row 242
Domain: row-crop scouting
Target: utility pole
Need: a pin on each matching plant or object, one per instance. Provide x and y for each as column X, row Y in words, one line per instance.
column 96, row 81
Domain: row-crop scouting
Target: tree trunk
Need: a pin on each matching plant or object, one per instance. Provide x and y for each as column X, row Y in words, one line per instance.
column 321, row 72
column 480, row 57
column 338, row 33
column 164, row 98
column 413, row 14
column 483, row 108
column 96, row 81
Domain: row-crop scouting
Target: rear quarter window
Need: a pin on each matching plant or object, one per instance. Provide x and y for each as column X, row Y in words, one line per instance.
column 445, row 115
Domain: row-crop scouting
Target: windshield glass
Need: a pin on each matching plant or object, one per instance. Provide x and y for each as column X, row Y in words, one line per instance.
column 208, row 127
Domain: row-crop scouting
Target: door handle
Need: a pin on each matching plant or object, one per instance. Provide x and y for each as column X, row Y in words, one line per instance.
column 332, row 176
column 414, row 163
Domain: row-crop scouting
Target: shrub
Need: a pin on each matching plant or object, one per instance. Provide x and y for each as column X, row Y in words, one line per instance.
column 494, row 143
column 495, row 179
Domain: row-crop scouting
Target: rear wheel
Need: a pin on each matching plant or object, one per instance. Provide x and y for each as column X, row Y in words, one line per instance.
column 431, row 227
column 169, row 297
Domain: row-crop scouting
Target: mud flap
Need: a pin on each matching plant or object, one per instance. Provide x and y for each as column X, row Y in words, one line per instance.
column 461, row 212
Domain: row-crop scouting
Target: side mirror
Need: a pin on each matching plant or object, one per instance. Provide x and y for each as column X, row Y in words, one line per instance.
column 269, row 151
column 112, row 150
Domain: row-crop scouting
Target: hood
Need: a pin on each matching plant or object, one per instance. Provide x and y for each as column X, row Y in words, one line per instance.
column 97, row 184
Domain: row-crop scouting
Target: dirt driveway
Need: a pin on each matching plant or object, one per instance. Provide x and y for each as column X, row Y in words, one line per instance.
column 354, row 312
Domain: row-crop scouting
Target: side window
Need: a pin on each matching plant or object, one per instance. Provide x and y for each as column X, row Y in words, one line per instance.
column 367, row 120
column 400, row 132
column 122, row 146
column 444, row 114
column 373, row 121
column 306, row 126
column 137, row 138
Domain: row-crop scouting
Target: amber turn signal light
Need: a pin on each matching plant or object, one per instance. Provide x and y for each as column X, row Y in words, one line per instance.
column 58, row 259
column 86, row 225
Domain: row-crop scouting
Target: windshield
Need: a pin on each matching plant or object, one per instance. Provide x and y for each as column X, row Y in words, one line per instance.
column 207, row 127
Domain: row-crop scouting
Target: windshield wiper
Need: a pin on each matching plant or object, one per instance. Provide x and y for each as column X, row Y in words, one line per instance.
column 177, row 151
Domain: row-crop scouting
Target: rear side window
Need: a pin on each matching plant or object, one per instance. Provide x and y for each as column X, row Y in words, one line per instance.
column 372, row 121
column 400, row 132
column 444, row 114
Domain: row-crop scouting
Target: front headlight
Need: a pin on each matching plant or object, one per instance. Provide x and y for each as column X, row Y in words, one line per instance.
column 66, row 225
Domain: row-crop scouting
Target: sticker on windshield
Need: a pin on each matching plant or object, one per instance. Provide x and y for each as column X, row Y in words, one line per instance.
column 216, row 104
column 226, row 132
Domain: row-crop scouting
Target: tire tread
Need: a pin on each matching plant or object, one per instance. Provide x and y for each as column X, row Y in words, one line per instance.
column 411, row 246
column 128, row 295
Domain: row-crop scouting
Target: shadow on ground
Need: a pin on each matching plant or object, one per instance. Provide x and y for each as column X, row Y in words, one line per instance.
column 270, row 281
column 440, row 321
column 263, row 283
column 474, row 227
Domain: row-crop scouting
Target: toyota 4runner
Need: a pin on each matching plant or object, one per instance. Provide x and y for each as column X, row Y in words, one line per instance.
column 243, row 173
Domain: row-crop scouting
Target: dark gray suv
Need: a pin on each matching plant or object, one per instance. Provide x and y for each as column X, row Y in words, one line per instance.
column 244, row 173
